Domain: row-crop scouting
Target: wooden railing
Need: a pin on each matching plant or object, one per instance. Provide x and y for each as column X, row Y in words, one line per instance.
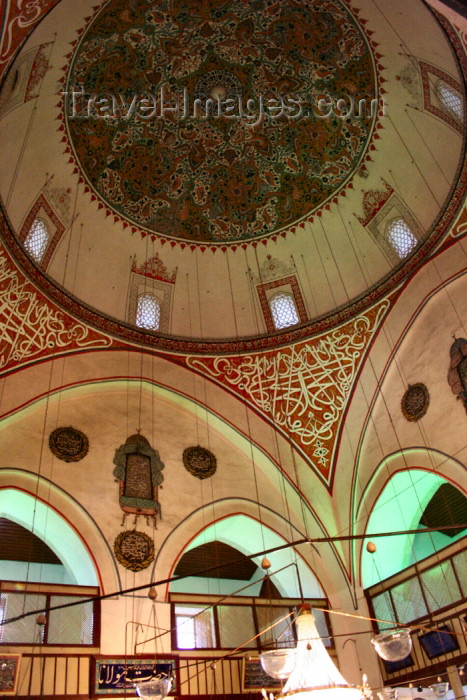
column 66, row 674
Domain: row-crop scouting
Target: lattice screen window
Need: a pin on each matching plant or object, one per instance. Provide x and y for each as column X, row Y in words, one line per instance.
column 24, row 631
column 148, row 312
column 235, row 625
column 408, row 600
column 460, row 565
column 37, row 239
column 282, row 634
column 440, row 586
column 450, row 99
column 401, row 237
column 195, row 627
column 73, row 625
column 384, row 610
column 322, row 627
column 283, row 310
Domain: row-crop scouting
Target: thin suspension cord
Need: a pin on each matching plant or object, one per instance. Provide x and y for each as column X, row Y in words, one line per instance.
column 303, row 540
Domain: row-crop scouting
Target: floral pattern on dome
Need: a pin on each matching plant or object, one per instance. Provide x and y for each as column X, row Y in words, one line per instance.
column 219, row 178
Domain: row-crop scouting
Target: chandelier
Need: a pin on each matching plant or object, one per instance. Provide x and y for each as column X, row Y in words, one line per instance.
column 314, row 675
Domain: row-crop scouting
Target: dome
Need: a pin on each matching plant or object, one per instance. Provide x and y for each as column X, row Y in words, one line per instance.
column 265, row 280
column 137, row 439
column 189, row 161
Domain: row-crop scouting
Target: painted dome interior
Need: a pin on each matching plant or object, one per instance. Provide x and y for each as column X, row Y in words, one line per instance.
column 213, row 211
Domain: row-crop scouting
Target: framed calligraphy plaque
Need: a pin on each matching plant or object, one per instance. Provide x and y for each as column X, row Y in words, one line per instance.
column 117, row 676
column 9, row 668
column 255, row 678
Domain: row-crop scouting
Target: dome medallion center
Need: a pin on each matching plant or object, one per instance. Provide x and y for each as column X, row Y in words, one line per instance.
column 219, row 122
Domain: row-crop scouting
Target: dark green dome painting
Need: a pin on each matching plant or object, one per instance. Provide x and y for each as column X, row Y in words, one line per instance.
column 214, row 121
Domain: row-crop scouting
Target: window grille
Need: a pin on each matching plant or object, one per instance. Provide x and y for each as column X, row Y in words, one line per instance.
column 236, row 624
column 384, row 610
column 25, row 630
column 75, row 625
column 37, row 239
column 227, row 625
column 436, row 587
column 322, row 627
column 460, row 565
column 148, row 312
column 450, row 98
column 283, row 310
column 282, row 634
column 408, row 600
column 401, row 237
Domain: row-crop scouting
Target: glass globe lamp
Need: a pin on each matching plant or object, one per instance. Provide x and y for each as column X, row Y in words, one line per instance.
column 439, row 689
column 279, row 663
column 388, row 694
column 393, row 646
column 156, row 689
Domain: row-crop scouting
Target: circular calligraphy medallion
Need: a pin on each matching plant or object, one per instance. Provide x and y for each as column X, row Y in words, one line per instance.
column 199, row 462
column 134, row 550
column 68, row 444
column 415, row 402
column 159, row 157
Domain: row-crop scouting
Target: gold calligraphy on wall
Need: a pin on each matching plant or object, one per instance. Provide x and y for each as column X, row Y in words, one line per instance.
column 303, row 388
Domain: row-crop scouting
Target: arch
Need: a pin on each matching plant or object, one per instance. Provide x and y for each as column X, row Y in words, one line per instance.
column 247, row 535
column 400, row 506
column 234, row 431
column 59, row 520
column 28, row 511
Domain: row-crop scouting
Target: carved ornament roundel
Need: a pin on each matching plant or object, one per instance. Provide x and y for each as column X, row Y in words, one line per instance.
column 68, row 444
column 134, row 550
column 199, row 461
column 415, row 402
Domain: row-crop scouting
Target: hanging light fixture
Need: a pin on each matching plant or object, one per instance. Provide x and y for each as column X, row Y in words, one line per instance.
column 156, row 689
column 279, row 663
column 393, row 646
column 314, row 675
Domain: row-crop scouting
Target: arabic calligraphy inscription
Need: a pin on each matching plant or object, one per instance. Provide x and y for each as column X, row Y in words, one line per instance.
column 134, row 550
column 112, row 676
column 68, row 444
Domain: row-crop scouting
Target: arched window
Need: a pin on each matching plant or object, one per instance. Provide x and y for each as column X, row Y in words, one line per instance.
column 283, row 310
column 37, row 239
column 148, row 312
column 450, row 98
column 401, row 237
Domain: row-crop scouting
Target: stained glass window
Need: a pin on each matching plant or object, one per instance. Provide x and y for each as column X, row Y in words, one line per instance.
column 450, row 98
column 283, row 310
column 401, row 237
column 148, row 312
column 37, row 239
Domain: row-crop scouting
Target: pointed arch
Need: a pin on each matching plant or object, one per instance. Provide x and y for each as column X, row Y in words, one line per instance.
column 54, row 516
column 399, row 505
